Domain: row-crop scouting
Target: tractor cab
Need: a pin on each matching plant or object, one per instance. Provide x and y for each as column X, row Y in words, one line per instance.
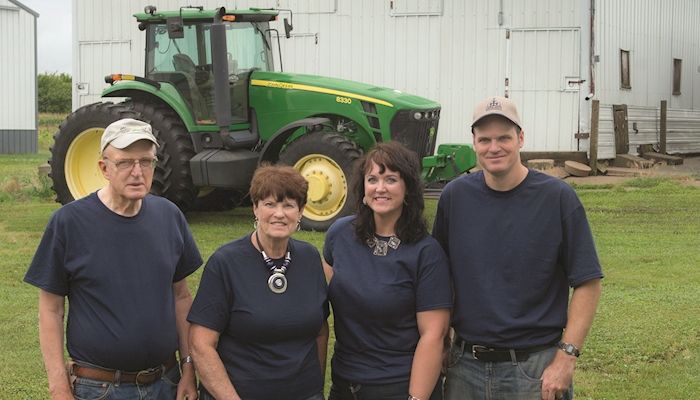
column 182, row 56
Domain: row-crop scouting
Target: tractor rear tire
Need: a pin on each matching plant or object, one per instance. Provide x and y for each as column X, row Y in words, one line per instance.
column 326, row 161
column 76, row 150
column 172, row 178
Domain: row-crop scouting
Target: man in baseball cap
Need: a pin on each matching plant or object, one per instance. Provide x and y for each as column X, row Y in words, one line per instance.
column 123, row 255
column 526, row 244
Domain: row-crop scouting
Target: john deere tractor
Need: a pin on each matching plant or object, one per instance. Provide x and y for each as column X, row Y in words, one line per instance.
column 219, row 110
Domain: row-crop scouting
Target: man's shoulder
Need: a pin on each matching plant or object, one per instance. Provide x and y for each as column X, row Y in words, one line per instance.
column 464, row 182
column 161, row 203
column 76, row 207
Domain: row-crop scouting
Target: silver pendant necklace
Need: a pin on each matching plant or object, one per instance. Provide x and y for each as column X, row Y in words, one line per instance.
column 381, row 246
column 277, row 282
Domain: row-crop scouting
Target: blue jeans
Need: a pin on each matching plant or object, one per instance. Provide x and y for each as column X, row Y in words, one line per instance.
column 468, row 378
column 163, row 389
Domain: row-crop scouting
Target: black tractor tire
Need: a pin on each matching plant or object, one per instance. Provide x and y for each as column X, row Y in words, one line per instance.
column 326, row 161
column 76, row 150
column 172, row 178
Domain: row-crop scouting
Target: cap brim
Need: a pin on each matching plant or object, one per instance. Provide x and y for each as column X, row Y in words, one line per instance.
column 499, row 113
column 127, row 140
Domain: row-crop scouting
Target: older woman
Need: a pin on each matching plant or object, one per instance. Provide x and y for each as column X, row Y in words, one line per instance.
column 259, row 329
column 389, row 285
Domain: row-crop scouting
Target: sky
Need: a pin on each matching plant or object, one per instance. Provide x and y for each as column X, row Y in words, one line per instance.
column 54, row 34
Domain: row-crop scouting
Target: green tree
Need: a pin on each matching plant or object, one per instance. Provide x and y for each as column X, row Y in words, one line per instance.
column 54, row 93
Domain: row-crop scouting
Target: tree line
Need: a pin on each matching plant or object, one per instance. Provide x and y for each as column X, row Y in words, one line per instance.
column 54, row 92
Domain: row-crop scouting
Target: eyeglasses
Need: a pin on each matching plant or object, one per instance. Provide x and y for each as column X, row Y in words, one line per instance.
column 128, row 164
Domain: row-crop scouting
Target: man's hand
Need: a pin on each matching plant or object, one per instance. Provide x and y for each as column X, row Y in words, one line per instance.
column 557, row 377
column 187, row 388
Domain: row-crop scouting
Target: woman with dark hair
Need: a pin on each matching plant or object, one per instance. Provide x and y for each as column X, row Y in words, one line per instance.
column 259, row 329
column 389, row 285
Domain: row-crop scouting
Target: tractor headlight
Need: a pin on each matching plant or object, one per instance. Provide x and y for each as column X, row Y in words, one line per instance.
column 417, row 115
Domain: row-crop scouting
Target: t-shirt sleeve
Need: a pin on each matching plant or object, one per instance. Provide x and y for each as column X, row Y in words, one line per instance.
column 579, row 255
column 433, row 289
column 47, row 270
column 191, row 259
column 214, row 298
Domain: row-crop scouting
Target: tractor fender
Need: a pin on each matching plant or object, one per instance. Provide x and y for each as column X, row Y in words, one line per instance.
column 166, row 94
column 272, row 148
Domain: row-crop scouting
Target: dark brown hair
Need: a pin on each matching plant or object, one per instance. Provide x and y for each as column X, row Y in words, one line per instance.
column 279, row 181
column 411, row 225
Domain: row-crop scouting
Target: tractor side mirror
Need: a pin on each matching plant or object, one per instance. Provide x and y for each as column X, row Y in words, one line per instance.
column 287, row 28
column 175, row 28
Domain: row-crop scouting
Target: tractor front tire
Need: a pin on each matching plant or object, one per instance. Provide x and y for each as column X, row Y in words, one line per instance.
column 325, row 160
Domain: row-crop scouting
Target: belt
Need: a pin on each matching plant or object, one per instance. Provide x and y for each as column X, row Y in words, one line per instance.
column 496, row 354
column 144, row 377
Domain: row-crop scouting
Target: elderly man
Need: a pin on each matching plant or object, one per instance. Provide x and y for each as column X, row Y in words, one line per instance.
column 517, row 240
column 121, row 257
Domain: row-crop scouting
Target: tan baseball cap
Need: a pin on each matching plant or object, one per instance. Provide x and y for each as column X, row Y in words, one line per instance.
column 496, row 105
column 123, row 133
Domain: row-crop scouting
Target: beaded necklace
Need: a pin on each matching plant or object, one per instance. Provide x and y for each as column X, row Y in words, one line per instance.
column 277, row 282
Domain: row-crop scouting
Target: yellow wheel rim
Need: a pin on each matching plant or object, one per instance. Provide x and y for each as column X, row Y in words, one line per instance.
column 82, row 173
column 327, row 186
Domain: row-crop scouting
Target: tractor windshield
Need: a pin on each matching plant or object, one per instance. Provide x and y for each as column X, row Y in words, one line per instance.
column 186, row 63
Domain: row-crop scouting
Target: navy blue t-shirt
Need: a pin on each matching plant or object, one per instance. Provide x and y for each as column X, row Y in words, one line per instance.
column 375, row 300
column 513, row 256
column 118, row 275
column 268, row 340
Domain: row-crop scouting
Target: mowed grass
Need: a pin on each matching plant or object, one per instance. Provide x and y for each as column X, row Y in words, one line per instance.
column 644, row 344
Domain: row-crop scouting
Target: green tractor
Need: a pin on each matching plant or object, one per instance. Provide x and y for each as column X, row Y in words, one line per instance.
column 219, row 110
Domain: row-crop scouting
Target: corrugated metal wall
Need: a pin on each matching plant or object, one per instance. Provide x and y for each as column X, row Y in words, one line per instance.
column 452, row 51
column 18, row 98
column 456, row 52
column 654, row 32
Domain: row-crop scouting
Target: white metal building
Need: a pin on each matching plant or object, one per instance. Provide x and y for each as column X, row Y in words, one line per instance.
column 18, row 69
column 548, row 55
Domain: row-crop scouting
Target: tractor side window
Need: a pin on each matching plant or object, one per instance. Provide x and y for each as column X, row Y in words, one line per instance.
column 248, row 47
column 186, row 64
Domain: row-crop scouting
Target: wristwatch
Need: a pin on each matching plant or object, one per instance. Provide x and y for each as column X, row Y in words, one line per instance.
column 569, row 349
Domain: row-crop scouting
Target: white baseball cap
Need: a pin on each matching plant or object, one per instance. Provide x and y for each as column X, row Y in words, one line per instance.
column 123, row 133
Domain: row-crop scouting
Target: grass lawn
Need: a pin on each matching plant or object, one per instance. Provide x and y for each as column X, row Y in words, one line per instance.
column 645, row 342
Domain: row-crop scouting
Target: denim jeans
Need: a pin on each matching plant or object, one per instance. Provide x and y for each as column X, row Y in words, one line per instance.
column 468, row 378
column 163, row 389
column 204, row 395
column 342, row 390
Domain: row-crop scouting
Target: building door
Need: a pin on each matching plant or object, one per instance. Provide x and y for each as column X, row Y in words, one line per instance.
column 97, row 59
column 543, row 78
